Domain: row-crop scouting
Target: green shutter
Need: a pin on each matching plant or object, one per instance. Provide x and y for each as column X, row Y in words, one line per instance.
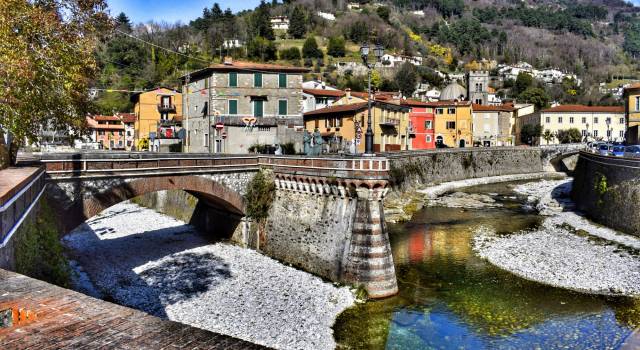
column 233, row 107
column 258, row 108
column 282, row 80
column 257, row 79
column 282, row 107
column 233, row 79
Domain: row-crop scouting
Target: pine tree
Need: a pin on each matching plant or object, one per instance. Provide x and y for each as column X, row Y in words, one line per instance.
column 261, row 22
column 336, row 47
column 297, row 24
column 310, row 49
column 123, row 23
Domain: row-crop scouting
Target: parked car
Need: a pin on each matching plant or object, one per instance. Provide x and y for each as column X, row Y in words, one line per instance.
column 617, row 151
column 632, row 151
column 604, row 149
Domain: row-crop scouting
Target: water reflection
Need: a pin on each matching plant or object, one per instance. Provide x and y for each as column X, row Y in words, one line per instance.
column 451, row 299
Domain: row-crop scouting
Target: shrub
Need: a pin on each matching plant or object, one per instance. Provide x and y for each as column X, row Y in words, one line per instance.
column 260, row 195
column 290, row 54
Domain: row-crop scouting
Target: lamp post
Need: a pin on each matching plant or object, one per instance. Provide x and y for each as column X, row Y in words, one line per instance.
column 378, row 51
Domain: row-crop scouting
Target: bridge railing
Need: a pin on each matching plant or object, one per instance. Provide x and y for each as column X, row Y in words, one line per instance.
column 351, row 167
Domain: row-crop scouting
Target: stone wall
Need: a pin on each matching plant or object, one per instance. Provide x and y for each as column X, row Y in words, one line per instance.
column 437, row 166
column 607, row 189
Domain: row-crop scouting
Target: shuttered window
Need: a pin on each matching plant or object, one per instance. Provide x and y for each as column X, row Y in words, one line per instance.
column 282, row 80
column 258, row 108
column 282, row 107
column 257, row 79
column 233, row 107
column 233, row 79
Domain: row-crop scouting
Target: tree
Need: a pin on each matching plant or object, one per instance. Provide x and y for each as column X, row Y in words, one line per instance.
column 523, row 82
column 632, row 40
column 290, row 54
column 529, row 133
column 536, row 96
column 310, row 49
column 571, row 135
column 406, row 78
column 298, row 23
column 548, row 136
column 47, row 63
column 123, row 23
column 261, row 22
column 383, row 12
column 262, row 49
column 336, row 47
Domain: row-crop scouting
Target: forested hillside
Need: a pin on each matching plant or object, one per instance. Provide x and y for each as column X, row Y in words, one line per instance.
column 597, row 40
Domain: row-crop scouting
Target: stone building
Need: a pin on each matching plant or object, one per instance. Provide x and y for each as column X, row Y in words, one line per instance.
column 478, row 87
column 233, row 106
column 492, row 125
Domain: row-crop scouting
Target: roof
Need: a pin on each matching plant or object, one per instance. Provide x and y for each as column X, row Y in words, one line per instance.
column 106, row 118
column 448, row 103
column 453, row 91
column 245, row 66
column 413, row 103
column 348, row 108
column 134, row 97
column 585, row 109
column 324, row 92
column 489, row 108
column 128, row 117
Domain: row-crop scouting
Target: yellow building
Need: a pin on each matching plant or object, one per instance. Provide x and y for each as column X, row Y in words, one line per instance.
column 345, row 122
column 156, row 111
column 632, row 113
column 454, row 123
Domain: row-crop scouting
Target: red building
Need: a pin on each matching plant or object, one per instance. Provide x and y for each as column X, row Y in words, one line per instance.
column 421, row 124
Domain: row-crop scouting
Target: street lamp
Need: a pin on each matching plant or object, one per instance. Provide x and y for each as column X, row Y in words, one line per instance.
column 378, row 51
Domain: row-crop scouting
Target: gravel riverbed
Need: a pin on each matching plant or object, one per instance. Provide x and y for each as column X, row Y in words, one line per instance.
column 567, row 250
column 146, row 260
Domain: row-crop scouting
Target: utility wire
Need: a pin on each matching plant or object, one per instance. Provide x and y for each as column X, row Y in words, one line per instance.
column 160, row 47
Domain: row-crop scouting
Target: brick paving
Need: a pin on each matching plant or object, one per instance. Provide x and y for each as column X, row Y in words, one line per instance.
column 49, row 317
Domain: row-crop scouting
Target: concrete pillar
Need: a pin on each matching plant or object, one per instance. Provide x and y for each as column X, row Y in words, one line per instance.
column 369, row 261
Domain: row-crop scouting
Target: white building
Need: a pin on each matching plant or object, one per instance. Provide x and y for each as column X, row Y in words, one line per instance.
column 316, row 95
column 419, row 13
column 280, row 23
column 354, row 6
column 596, row 123
column 232, row 44
column 389, row 60
column 326, row 15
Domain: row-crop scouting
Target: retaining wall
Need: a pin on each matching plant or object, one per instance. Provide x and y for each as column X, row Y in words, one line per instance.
column 607, row 189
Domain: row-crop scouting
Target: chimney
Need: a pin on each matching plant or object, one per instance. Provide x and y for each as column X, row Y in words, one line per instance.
column 228, row 61
column 348, row 92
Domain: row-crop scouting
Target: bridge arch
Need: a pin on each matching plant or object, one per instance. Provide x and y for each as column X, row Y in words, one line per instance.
column 77, row 201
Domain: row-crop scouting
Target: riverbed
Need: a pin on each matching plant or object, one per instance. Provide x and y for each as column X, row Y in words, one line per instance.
column 453, row 297
column 140, row 258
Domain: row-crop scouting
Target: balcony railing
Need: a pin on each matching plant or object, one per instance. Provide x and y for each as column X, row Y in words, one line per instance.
column 166, row 108
column 390, row 122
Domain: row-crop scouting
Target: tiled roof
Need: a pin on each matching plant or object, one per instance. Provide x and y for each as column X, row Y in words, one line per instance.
column 127, row 117
column 489, row 108
column 242, row 65
column 354, row 107
column 586, row 109
column 413, row 103
column 448, row 103
column 106, row 118
column 324, row 92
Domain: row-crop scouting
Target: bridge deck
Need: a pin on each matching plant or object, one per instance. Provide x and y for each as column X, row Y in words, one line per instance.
column 47, row 317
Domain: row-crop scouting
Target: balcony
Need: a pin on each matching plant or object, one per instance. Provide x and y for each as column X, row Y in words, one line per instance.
column 166, row 108
column 390, row 123
column 411, row 131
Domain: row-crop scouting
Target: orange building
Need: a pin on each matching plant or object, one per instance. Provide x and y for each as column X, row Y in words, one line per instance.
column 108, row 131
column 157, row 112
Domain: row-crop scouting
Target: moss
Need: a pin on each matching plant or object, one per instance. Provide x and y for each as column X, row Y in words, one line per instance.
column 260, row 195
column 39, row 253
column 601, row 187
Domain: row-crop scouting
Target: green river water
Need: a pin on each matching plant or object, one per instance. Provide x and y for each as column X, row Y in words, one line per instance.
column 451, row 299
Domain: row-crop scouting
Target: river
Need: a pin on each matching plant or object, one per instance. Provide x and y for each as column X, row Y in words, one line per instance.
column 450, row 298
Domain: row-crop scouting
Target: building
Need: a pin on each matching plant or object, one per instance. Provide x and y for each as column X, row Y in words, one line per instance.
column 596, row 123
column 345, row 123
column 236, row 105
column 492, row 125
column 320, row 98
column 478, row 87
column 107, row 131
column 632, row 113
column 389, row 60
column 453, row 123
column 421, row 124
column 326, row 15
column 156, row 111
column 280, row 23
column 453, row 91
column 129, row 122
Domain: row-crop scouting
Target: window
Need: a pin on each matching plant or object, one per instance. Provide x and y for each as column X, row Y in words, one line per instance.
column 282, row 107
column 595, row 133
column 282, row 80
column 609, row 133
column 101, row 132
column 621, row 134
column 548, row 120
column 637, row 103
column 258, row 108
column 233, row 107
column 206, row 83
column 439, row 110
column 608, row 121
column 595, row 120
column 428, row 139
column 206, row 140
column 559, row 119
column 333, row 123
column 428, row 124
column 257, row 79
column 478, row 101
column 584, row 133
column 584, row 120
column 570, row 120
column 621, row 120
column 120, row 143
column 233, row 79
column 451, row 111
column 451, row 125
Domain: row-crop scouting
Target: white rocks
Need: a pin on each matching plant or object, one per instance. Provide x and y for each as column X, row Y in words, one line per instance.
column 157, row 264
column 567, row 250
column 464, row 200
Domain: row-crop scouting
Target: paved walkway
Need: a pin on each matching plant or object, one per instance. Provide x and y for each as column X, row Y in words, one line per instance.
column 50, row 317
column 13, row 179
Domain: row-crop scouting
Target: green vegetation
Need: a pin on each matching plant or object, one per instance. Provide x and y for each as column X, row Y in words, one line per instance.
column 601, row 187
column 571, row 135
column 297, row 23
column 336, row 47
column 260, row 195
column 38, row 251
column 529, row 132
column 310, row 49
column 406, row 79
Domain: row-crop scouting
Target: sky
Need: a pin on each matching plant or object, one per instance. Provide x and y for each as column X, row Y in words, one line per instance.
column 172, row 11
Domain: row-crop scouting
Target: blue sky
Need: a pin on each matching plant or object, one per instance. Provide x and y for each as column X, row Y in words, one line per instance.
column 172, row 11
